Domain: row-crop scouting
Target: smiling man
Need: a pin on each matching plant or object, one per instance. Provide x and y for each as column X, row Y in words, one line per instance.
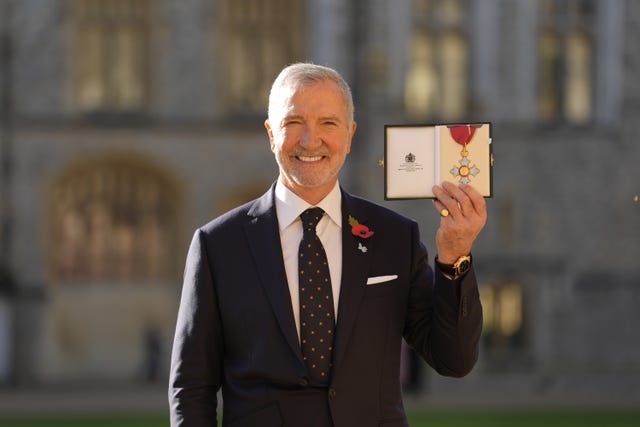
column 295, row 304
column 310, row 128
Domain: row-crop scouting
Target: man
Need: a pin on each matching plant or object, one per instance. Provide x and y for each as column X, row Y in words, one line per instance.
column 300, row 322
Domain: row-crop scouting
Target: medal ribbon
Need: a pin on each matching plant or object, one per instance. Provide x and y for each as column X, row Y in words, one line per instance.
column 462, row 134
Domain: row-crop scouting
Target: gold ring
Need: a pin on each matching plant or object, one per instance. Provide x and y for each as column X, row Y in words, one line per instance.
column 444, row 213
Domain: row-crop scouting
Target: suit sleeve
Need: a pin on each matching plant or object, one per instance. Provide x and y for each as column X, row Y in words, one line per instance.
column 444, row 316
column 196, row 360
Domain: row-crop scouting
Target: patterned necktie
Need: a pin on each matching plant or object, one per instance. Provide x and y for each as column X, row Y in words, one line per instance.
column 316, row 301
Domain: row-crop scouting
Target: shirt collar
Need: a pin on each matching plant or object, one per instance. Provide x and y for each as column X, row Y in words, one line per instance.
column 289, row 206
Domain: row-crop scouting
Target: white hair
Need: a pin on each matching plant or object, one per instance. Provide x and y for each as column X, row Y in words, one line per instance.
column 294, row 76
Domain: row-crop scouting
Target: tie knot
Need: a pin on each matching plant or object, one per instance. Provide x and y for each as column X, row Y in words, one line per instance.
column 310, row 219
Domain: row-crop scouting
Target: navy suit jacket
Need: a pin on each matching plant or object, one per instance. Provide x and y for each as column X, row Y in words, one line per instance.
column 236, row 330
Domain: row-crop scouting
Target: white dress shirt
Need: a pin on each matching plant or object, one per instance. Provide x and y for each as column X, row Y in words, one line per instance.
column 329, row 230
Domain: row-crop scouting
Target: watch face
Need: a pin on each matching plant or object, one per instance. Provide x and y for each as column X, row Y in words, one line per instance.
column 463, row 265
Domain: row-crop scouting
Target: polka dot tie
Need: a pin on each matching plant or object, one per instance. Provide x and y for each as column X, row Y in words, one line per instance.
column 316, row 301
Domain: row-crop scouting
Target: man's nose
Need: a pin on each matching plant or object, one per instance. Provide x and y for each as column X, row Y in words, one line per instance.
column 310, row 137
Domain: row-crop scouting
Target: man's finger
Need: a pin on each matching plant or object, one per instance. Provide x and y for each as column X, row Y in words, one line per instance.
column 446, row 200
column 476, row 199
column 442, row 210
column 464, row 202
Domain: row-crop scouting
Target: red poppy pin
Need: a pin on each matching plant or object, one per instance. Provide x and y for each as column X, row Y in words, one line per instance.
column 360, row 230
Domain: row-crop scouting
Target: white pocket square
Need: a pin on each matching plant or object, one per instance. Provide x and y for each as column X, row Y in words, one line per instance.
column 381, row 279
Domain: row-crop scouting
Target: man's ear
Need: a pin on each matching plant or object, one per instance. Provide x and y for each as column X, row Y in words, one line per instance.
column 267, row 126
column 352, row 132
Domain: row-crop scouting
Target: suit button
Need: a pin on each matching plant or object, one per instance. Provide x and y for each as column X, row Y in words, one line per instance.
column 332, row 393
column 304, row 382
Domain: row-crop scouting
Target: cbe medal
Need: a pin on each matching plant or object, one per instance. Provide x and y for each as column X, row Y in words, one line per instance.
column 462, row 134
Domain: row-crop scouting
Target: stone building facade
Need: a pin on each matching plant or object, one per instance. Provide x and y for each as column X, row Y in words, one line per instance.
column 128, row 123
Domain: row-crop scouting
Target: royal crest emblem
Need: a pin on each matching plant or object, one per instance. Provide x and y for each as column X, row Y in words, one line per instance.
column 410, row 158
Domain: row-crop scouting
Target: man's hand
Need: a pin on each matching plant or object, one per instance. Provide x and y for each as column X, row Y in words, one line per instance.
column 467, row 214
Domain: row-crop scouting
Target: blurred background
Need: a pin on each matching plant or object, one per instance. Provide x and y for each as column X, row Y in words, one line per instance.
column 126, row 124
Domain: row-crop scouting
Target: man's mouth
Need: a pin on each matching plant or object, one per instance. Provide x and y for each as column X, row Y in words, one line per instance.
column 308, row 159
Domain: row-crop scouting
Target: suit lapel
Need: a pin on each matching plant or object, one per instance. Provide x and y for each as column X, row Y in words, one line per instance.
column 263, row 236
column 355, row 269
column 264, row 240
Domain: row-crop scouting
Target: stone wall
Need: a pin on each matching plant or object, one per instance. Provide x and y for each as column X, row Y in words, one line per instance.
column 564, row 221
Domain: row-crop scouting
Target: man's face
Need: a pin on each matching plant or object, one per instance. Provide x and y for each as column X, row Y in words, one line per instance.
column 311, row 138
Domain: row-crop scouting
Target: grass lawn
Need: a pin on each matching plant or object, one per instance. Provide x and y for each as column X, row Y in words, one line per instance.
column 425, row 418
column 525, row 418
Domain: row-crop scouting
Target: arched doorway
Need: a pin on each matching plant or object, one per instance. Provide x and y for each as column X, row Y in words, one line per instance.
column 114, row 260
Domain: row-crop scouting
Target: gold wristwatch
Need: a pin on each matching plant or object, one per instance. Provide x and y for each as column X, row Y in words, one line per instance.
column 459, row 268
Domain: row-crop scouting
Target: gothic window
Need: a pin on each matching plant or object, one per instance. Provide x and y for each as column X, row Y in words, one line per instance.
column 113, row 219
column 565, row 60
column 257, row 39
column 502, row 306
column 436, row 84
column 111, row 39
